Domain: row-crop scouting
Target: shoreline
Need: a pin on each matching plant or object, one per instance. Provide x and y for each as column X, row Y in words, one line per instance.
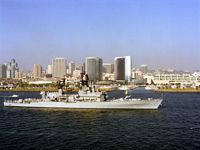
column 36, row 90
column 103, row 90
column 50, row 90
column 179, row 90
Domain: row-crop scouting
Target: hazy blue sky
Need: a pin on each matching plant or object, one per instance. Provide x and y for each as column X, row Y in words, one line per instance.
column 159, row 33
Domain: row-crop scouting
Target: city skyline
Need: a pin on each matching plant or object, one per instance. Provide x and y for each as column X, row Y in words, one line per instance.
column 161, row 34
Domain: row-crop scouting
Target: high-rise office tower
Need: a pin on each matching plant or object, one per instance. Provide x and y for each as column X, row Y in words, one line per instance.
column 119, row 68
column 2, row 71
column 37, row 71
column 12, row 68
column 72, row 67
column 59, row 67
column 94, row 68
column 128, row 66
column 8, row 71
column 122, row 68
column 108, row 68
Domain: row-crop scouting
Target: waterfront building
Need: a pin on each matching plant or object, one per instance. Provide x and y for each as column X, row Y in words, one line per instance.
column 119, row 68
column 108, row 68
column 12, row 68
column 59, row 67
column 174, row 79
column 94, row 68
column 37, row 71
column 40, row 82
column 3, row 71
column 72, row 67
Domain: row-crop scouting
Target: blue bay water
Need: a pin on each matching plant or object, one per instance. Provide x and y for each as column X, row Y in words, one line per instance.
column 175, row 125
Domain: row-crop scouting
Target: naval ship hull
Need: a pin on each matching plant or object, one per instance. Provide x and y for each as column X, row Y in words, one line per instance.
column 115, row 104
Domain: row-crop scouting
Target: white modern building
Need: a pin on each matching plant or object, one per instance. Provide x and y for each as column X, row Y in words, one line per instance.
column 128, row 66
column 172, row 79
column 49, row 69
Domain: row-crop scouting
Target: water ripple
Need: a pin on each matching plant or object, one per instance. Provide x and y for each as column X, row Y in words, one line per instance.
column 175, row 125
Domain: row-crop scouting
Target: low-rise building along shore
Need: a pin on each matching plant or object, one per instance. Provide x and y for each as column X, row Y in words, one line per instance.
column 179, row 90
column 182, row 80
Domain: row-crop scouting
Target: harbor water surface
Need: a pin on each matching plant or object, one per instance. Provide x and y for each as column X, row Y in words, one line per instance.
column 175, row 125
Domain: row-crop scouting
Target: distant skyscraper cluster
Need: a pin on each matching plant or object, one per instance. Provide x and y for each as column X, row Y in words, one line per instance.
column 12, row 69
column 121, row 68
column 59, row 68
column 9, row 70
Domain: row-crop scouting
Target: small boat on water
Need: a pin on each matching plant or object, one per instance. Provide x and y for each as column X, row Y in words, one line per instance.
column 151, row 87
column 88, row 98
column 148, row 88
column 14, row 95
column 126, row 87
